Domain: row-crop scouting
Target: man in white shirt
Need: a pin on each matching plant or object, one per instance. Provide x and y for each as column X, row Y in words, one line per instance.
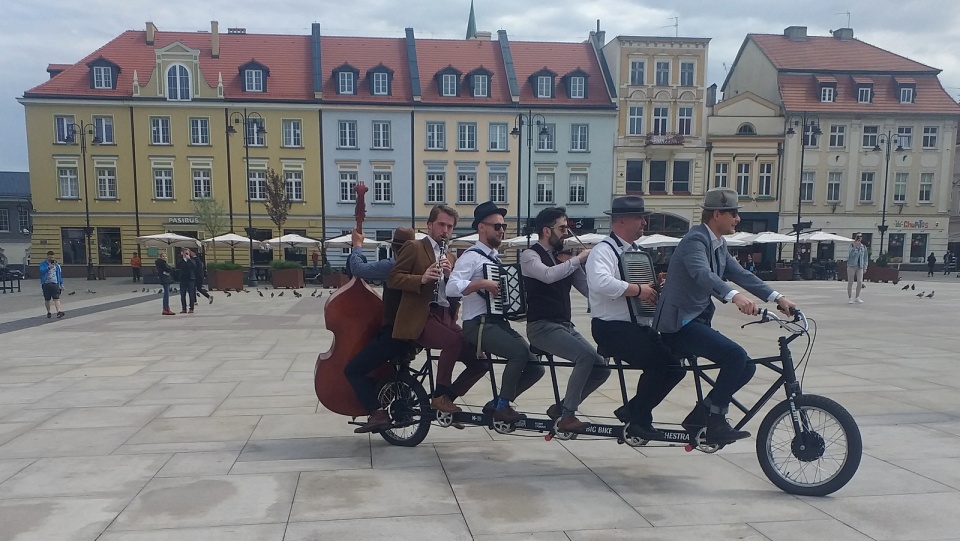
column 613, row 324
column 496, row 336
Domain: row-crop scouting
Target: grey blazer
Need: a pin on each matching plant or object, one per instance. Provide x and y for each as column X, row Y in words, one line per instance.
column 695, row 274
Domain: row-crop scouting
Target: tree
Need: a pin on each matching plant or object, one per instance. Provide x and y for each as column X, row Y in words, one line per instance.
column 277, row 203
column 212, row 217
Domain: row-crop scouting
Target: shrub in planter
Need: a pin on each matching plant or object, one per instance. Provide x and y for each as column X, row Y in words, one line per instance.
column 225, row 276
column 286, row 274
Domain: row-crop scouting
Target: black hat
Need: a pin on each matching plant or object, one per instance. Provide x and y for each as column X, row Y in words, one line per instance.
column 721, row 199
column 628, row 204
column 486, row 209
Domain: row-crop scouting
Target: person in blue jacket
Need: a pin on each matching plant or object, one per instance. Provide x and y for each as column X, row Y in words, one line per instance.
column 51, row 281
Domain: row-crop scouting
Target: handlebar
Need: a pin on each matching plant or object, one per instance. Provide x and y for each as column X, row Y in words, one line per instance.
column 797, row 324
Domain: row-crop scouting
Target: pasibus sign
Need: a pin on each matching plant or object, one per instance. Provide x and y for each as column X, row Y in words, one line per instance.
column 907, row 224
column 187, row 220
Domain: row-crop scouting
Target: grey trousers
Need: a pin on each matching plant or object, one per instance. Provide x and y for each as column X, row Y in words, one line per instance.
column 522, row 369
column 562, row 340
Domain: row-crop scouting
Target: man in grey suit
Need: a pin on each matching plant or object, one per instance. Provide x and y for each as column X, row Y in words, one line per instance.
column 685, row 309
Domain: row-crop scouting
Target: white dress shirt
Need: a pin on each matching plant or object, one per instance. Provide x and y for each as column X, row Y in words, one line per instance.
column 606, row 287
column 469, row 267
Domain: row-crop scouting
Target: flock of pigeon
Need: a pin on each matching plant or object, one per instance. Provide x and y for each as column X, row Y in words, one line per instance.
column 921, row 295
column 318, row 293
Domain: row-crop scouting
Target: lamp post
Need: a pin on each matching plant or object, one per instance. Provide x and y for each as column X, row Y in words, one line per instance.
column 528, row 119
column 251, row 121
column 811, row 129
column 887, row 140
column 83, row 131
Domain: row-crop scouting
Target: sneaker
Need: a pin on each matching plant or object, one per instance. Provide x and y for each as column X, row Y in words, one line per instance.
column 60, row 315
column 210, row 300
column 859, row 300
column 49, row 315
column 849, row 301
column 444, row 404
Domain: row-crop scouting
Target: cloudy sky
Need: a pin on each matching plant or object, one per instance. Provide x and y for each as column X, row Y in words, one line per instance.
column 34, row 33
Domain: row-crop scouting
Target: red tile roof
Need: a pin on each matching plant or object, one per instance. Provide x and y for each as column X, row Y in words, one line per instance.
column 801, row 93
column 823, row 54
column 530, row 57
column 364, row 53
column 465, row 55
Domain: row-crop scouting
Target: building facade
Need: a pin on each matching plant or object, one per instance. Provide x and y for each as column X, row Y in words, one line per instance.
column 16, row 223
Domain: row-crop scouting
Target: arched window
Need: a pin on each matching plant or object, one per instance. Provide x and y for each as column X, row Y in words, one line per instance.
column 746, row 129
column 178, row 83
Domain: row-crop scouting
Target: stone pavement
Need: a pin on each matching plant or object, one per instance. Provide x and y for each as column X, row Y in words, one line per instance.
column 124, row 425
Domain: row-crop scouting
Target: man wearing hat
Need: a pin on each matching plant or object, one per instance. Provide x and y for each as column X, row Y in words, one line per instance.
column 697, row 272
column 618, row 331
column 497, row 337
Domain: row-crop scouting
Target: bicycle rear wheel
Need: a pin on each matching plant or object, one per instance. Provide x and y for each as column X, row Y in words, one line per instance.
column 409, row 406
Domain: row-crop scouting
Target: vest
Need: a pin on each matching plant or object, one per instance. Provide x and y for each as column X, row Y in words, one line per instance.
column 549, row 302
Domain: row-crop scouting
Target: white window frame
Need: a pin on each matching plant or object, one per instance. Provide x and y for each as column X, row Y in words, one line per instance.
column 106, row 182
column 765, row 179
column 808, row 184
column 64, row 128
column 864, row 94
column 498, row 137
column 180, row 91
column 579, row 138
column 257, row 185
column 160, row 130
column 577, row 193
column 690, row 72
column 292, row 133
column 383, row 186
column 642, row 72
column 578, row 87
column 834, row 186
column 103, row 129
column 827, row 94
column 466, row 187
column 68, row 182
column 498, row 186
column 436, row 186
column 743, row 178
column 721, row 174
column 930, row 136
column 347, row 134
column 256, row 137
column 867, row 180
column 346, row 83
column 547, row 141
column 449, row 85
column 202, row 182
column 253, row 80
column 348, row 180
column 381, row 135
column 901, row 182
column 905, row 137
column 925, row 193
column 466, row 136
column 546, row 188
column 662, row 71
column 293, row 184
column 871, row 136
column 199, row 131
column 685, row 120
column 906, row 94
column 838, row 136
column 810, row 137
column 635, row 120
column 481, row 85
column 544, row 86
column 163, row 183
column 436, row 135
column 4, row 222
column 381, row 83
column 103, row 77
column 661, row 119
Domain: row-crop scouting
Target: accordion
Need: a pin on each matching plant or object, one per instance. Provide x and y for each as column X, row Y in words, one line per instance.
column 511, row 303
column 637, row 268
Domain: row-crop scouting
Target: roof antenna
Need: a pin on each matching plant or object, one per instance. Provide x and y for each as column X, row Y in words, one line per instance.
column 675, row 26
column 847, row 13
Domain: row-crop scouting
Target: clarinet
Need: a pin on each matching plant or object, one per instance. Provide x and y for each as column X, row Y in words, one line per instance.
column 436, row 287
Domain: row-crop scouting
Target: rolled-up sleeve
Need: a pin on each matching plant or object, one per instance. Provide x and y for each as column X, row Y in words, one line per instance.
column 602, row 271
column 462, row 274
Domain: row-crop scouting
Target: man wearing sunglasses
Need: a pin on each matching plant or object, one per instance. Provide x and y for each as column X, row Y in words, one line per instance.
column 698, row 271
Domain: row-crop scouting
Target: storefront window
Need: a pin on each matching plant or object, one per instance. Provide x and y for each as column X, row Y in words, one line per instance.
column 74, row 246
column 264, row 255
column 918, row 248
column 895, row 247
column 108, row 246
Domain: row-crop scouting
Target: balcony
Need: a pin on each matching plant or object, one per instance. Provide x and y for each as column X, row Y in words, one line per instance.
column 663, row 139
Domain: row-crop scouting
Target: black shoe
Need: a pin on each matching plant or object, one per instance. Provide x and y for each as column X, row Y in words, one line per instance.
column 553, row 412
column 695, row 420
column 622, row 413
column 49, row 315
column 489, row 408
column 719, row 430
column 59, row 315
column 643, row 431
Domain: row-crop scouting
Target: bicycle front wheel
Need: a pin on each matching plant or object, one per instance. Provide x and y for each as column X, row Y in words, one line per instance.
column 409, row 406
column 819, row 460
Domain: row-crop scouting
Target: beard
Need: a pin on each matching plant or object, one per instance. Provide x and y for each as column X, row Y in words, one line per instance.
column 555, row 242
column 493, row 240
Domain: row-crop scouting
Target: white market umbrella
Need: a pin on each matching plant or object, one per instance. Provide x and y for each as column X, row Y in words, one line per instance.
column 823, row 236
column 657, row 241
column 230, row 239
column 769, row 237
column 164, row 240
column 416, row 236
column 466, row 241
column 740, row 238
column 346, row 241
column 521, row 242
column 293, row 240
column 588, row 239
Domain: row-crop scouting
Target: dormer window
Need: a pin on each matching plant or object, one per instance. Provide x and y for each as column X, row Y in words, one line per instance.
column 480, row 82
column 346, row 77
column 575, row 83
column 178, row 83
column 827, row 85
column 448, row 81
column 380, row 79
column 103, row 74
column 449, row 84
column 254, row 75
column 544, row 83
column 906, row 94
column 864, row 89
column 827, row 94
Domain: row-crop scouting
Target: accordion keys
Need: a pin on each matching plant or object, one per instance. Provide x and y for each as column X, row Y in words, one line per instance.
column 511, row 303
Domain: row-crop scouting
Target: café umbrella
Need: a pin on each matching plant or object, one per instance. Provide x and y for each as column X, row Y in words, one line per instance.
column 164, row 240
column 293, row 240
column 230, row 239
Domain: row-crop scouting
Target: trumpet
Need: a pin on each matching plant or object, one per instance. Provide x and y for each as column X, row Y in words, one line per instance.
column 436, row 287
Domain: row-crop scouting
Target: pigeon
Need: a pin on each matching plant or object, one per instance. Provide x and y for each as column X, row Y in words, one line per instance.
column 245, row 290
column 134, row 291
column 228, row 294
column 259, row 292
column 271, row 295
column 930, row 296
column 89, row 291
column 920, row 294
column 913, row 287
column 904, row 288
column 143, row 290
column 280, row 294
column 72, row 293
column 314, row 294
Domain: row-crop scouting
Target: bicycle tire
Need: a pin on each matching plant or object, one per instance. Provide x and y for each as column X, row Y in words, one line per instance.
column 409, row 406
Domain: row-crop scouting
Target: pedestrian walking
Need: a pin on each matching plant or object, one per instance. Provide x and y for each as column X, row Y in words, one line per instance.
column 165, row 272
column 135, row 266
column 201, row 271
column 856, row 265
column 51, row 282
column 947, row 262
column 186, row 272
column 931, row 261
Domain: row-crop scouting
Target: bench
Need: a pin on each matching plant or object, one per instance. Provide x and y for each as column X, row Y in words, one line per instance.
column 7, row 283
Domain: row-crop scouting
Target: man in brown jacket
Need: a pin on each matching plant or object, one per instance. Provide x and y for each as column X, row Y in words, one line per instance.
column 426, row 315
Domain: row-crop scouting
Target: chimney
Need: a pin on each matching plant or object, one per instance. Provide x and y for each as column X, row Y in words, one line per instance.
column 711, row 95
column 151, row 33
column 796, row 33
column 843, row 34
column 215, row 39
column 483, row 35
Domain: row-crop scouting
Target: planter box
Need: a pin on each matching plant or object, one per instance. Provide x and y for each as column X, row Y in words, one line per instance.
column 881, row 274
column 335, row 280
column 782, row 274
column 224, row 280
column 289, row 278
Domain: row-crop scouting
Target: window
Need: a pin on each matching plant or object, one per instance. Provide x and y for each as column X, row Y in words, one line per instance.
column 930, row 136
column 827, row 94
column 685, row 120
column 578, row 88
column 658, row 176
column 900, row 183
column 545, row 184
column 906, row 94
column 926, row 188
column 108, row 246
column 634, row 182
column 544, row 86
column 74, row 246
column 257, row 188
column 870, row 134
column 69, row 185
column 348, row 181
column 746, row 129
column 807, row 179
column 106, row 183
column 481, row 86
column 381, row 83
column 24, row 219
column 5, row 220
column 498, row 187
column 102, row 77
column 635, row 120
column 578, row 188
column 256, row 134
column 467, row 136
column 103, row 129
column 636, row 72
column 293, row 182
column 199, row 131
column 435, row 135
column 292, row 134
column 163, row 183
column 64, row 127
column 834, row 182
column 346, row 83
column 663, row 73
column 866, row 187
column 681, row 176
column 466, row 187
column 546, row 141
column 864, row 94
column 449, row 84
column 178, row 83
column 381, row 134
column 765, row 180
column 838, row 136
column 348, row 134
column 159, row 130
column 253, row 80
column 905, row 136
column 578, row 137
column 202, row 185
column 382, row 187
column 498, row 136
column 435, row 186
column 686, row 74
column 811, row 137
column 743, row 179
column 661, row 119
column 720, row 172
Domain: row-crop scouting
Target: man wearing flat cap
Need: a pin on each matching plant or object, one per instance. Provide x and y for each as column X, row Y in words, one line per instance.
column 621, row 333
column 698, row 270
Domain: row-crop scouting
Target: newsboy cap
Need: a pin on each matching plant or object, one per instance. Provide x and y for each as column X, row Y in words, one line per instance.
column 486, row 209
column 721, row 199
column 628, row 204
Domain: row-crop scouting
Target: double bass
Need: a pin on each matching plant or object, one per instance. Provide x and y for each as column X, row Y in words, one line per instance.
column 354, row 315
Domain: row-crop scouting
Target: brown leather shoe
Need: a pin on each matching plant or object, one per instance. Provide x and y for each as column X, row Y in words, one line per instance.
column 444, row 404
column 378, row 421
column 553, row 412
column 571, row 424
column 508, row 415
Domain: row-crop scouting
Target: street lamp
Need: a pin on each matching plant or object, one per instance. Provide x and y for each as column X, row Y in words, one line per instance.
column 252, row 125
column 887, row 140
column 83, row 131
column 811, row 130
column 529, row 119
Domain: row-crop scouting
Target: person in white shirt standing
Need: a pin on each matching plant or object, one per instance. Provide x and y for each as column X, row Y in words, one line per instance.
column 857, row 260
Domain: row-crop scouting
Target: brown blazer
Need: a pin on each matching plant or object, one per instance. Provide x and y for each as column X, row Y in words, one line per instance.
column 412, row 261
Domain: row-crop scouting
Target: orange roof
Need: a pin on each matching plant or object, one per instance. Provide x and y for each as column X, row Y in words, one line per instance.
column 801, row 93
column 363, row 54
column 562, row 58
column 826, row 53
column 465, row 55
